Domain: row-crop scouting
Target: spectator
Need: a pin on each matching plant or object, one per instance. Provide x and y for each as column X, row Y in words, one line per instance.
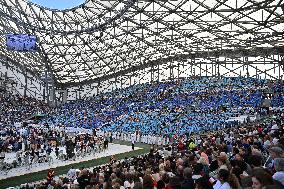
column 188, row 181
column 50, row 175
column 148, row 182
column 203, row 183
column 260, row 179
column 246, row 182
column 175, row 183
column 279, row 168
column 226, row 180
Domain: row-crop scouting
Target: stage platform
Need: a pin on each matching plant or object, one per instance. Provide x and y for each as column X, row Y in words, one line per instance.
column 113, row 149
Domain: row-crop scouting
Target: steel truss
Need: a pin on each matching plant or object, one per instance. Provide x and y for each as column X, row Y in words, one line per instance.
column 99, row 43
column 260, row 67
column 17, row 80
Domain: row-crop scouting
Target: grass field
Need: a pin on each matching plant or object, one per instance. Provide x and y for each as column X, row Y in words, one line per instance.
column 32, row 177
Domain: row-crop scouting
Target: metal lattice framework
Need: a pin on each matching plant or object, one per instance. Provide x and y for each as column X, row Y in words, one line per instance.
column 100, row 40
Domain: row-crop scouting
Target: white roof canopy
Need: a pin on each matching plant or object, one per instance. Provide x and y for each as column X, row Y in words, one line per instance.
column 82, row 43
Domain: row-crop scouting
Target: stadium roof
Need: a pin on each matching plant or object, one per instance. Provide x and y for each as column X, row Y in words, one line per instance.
column 101, row 39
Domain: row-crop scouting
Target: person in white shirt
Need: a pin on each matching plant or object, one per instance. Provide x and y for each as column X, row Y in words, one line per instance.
column 279, row 168
column 72, row 174
column 148, row 139
column 159, row 141
column 152, row 140
column 275, row 141
column 266, row 143
column 274, row 128
column 222, row 182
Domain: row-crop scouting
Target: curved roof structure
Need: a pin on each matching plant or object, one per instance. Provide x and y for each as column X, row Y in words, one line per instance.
column 105, row 38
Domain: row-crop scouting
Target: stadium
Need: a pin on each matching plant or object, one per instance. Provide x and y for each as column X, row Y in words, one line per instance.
column 142, row 94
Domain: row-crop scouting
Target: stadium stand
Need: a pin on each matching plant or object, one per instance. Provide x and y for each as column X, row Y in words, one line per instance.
column 191, row 93
column 233, row 158
column 163, row 108
column 166, row 116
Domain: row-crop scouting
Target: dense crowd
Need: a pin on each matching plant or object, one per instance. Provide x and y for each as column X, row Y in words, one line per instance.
column 157, row 108
column 247, row 156
column 164, row 108
column 34, row 145
column 16, row 108
column 187, row 122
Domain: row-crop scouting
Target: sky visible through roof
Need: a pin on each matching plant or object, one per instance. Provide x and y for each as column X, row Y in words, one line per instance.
column 58, row 4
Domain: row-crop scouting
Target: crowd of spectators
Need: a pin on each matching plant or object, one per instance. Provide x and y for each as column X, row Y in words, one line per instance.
column 248, row 156
column 231, row 157
column 16, row 108
column 188, row 105
column 157, row 108
column 34, row 145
